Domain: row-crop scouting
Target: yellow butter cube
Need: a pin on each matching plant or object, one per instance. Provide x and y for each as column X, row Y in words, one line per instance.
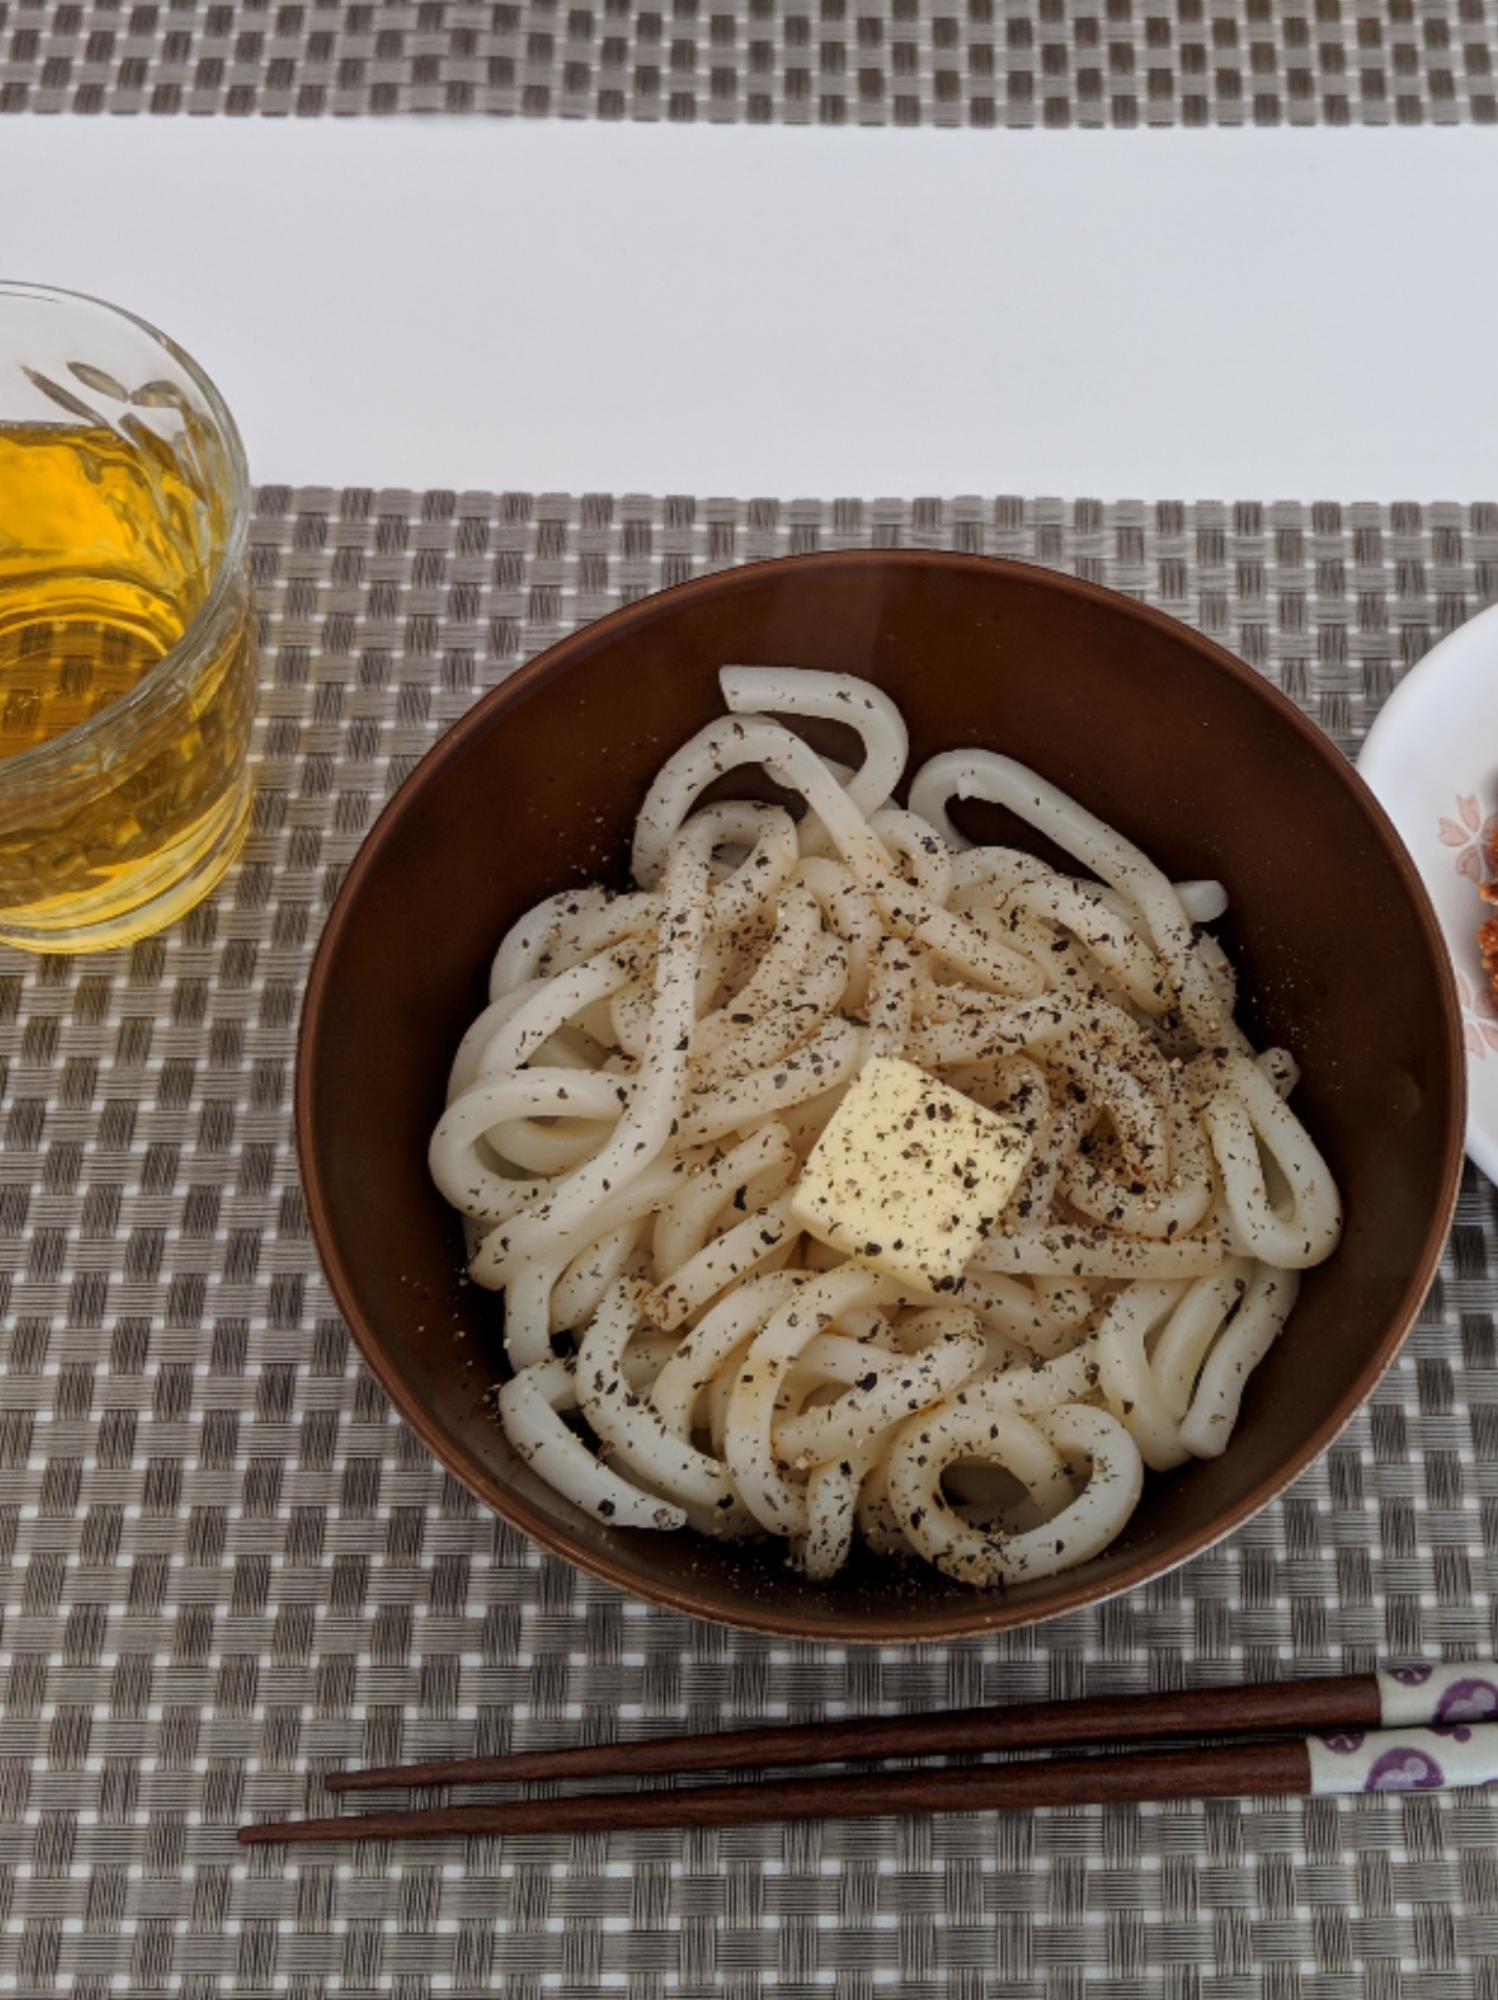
column 910, row 1175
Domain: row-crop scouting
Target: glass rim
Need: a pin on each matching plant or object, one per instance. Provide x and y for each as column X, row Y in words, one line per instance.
column 14, row 770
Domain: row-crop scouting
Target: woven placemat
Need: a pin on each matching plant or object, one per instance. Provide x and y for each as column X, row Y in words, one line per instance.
column 866, row 62
column 225, row 1567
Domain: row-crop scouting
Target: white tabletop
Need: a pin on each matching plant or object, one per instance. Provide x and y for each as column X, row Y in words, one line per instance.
column 546, row 304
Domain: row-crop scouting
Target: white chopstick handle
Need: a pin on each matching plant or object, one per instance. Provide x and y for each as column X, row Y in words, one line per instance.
column 1465, row 1693
column 1403, row 1760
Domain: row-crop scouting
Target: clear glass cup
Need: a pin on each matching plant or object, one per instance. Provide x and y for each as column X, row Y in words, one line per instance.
column 127, row 632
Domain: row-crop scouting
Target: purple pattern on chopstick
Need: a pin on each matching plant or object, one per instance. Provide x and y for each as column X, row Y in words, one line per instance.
column 1426, row 1694
column 1471, row 1700
column 1403, row 1760
column 1404, row 1770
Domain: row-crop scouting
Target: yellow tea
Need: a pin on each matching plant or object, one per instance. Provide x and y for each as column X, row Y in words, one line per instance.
column 93, row 591
column 110, row 546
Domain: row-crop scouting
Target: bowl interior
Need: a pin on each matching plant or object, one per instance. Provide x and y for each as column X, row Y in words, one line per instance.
column 1164, row 735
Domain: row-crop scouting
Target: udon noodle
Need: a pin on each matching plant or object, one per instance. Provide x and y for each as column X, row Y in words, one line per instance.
column 629, row 1116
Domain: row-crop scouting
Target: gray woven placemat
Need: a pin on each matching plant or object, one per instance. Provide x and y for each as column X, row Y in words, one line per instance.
column 898, row 62
column 224, row 1567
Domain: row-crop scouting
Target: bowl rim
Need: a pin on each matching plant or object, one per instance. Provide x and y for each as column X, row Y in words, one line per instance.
column 906, row 1623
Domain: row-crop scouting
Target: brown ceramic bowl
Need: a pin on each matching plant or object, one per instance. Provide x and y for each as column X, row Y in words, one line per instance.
column 1167, row 736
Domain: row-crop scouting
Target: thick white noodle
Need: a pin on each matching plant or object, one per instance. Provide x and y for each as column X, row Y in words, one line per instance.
column 528, row 1294
column 769, row 834
column 983, row 774
column 579, row 1291
column 828, row 1060
column 1281, row 1068
column 1126, row 1379
column 1068, row 1250
column 923, row 855
column 1169, row 1204
column 1240, row 1348
column 798, row 931
column 762, row 1241
column 1071, row 1119
column 721, row 1331
column 885, row 1396
column 850, row 911
column 1010, row 1309
column 989, row 869
column 629, row 1423
column 551, row 1003
column 729, row 746
column 771, row 1498
column 1202, row 902
column 837, row 698
column 1246, row 1114
column 1113, row 942
column 1066, row 1301
column 970, row 1426
column 575, row 923
column 547, row 1150
column 1177, row 1356
column 1101, row 1450
column 831, row 1510
column 527, row 938
column 469, row 1184
column 645, row 1357
column 496, row 1255
column 1068, row 1378
column 891, row 999
column 468, row 1063
column 801, row 1011
column 682, row 1226
column 1141, row 1133
column 877, row 1523
column 655, row 1091
column 528, row 1405
column 833, row 1359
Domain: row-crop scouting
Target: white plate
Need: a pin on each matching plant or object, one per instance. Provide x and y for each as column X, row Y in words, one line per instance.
column 1432, row 760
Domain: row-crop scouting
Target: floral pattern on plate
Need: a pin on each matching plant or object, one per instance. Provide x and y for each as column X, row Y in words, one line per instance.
column 1472, row 834
column 1479, row 1018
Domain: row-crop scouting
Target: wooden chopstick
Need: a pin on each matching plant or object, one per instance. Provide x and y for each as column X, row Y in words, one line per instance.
column 1258, row 1769
column 1347, row 1700
column 1438, row 1730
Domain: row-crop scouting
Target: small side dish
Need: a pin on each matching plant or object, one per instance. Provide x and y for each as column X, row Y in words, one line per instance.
column 843, row 1175
column 1431, row 759
column 1487, row 931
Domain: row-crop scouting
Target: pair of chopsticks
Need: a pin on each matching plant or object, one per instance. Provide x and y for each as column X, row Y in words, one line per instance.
column 1397, row 1729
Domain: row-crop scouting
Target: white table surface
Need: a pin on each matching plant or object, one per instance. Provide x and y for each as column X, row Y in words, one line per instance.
column 550, row 305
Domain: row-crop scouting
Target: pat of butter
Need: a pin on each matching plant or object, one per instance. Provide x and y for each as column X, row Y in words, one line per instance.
column 910, row 1175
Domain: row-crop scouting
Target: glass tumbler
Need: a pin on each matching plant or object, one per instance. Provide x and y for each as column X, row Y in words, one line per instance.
column 127, row 634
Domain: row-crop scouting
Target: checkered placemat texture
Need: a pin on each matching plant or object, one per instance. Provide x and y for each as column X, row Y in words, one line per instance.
column 833, row 62
column 226, row 1568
